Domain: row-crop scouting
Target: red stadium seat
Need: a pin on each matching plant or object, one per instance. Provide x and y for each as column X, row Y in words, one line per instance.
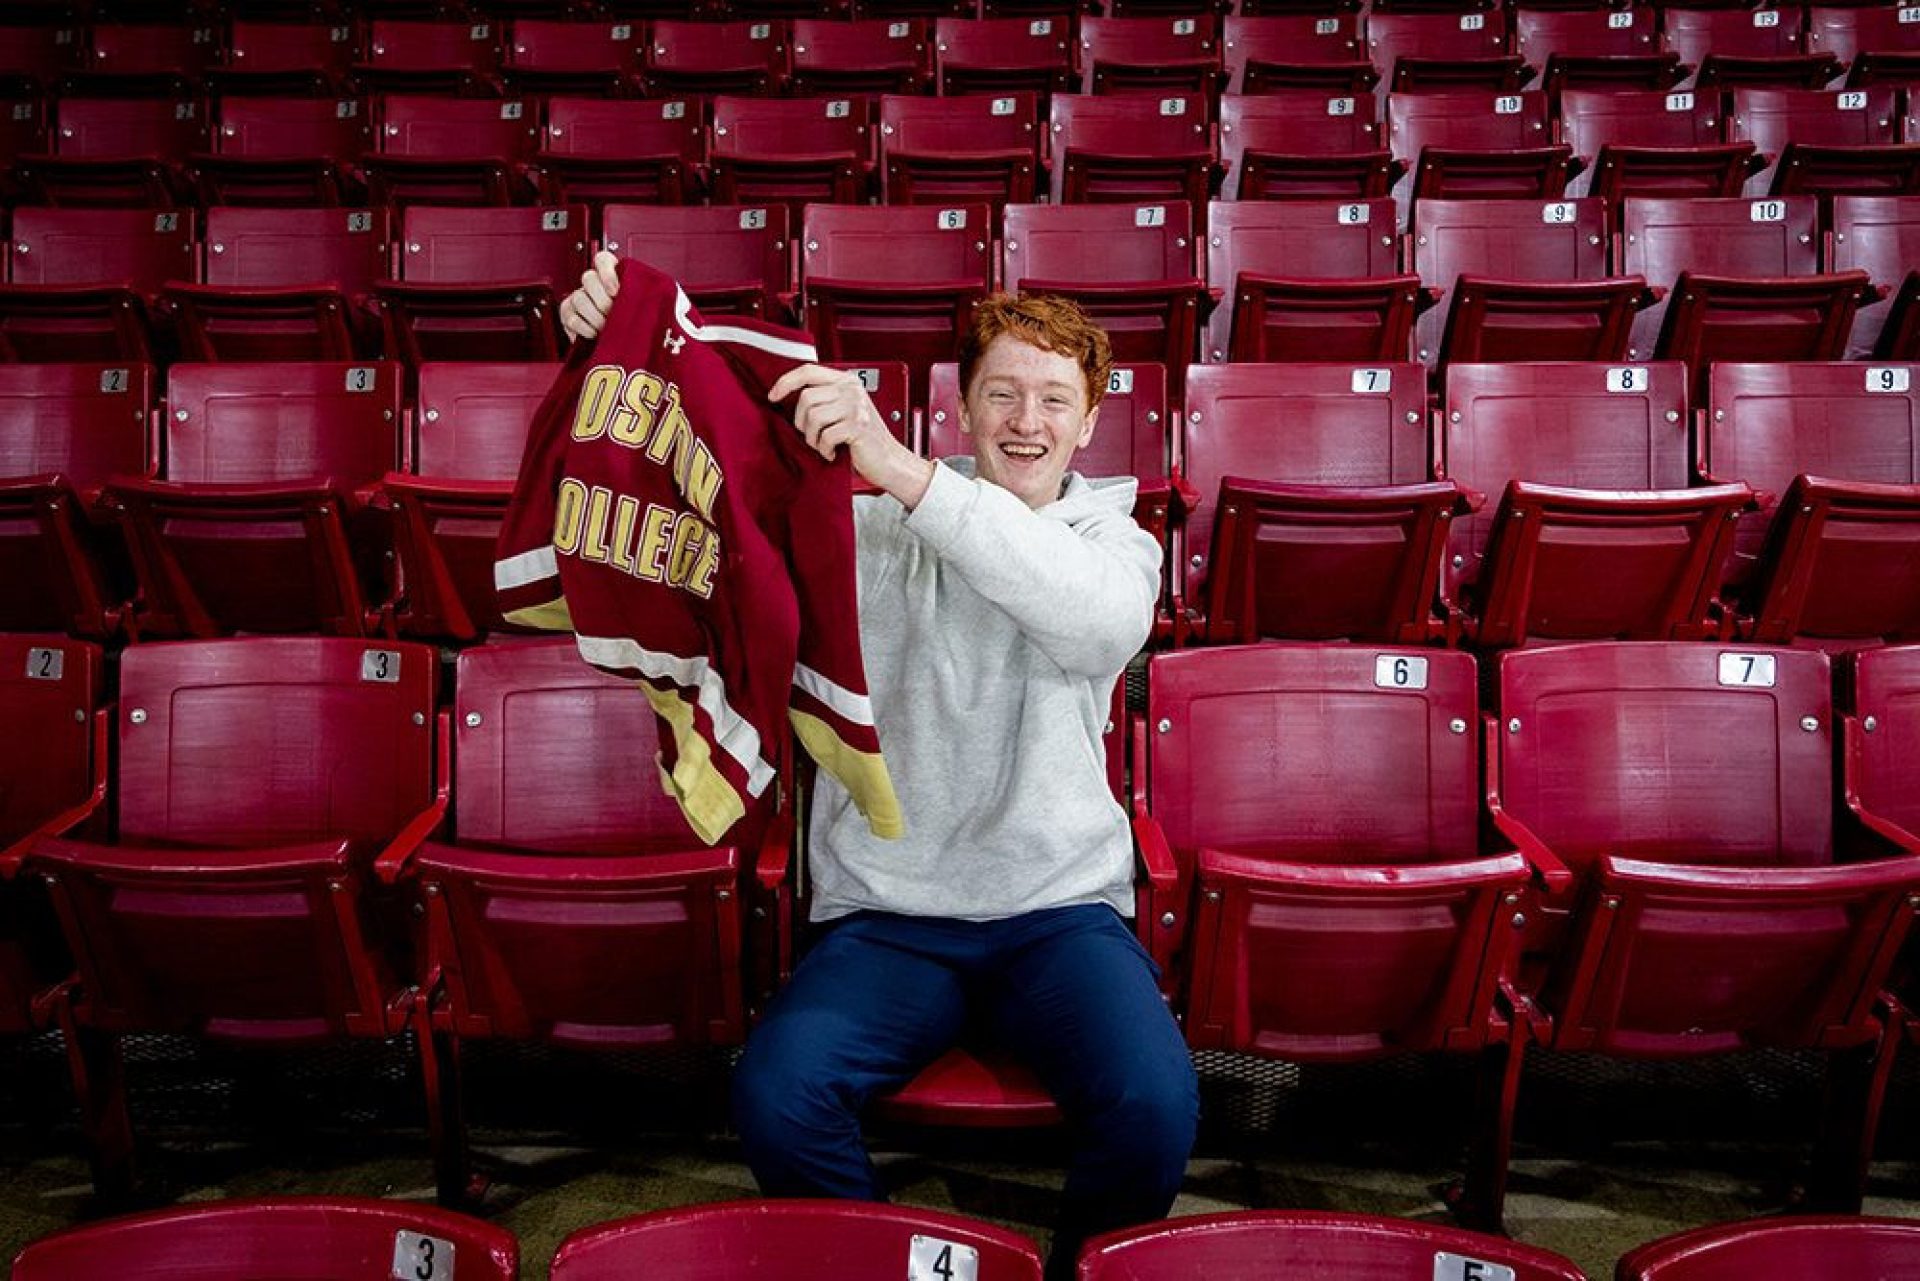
column 1827, row 141
column 480, row 284
column 69, row 427
column 792, row 151
column 1775, row 1249
column 266, row 57
column 276, row 1239
column 1293, row 144
column 598, row 152
column 974, row 149
column 185, row 49
column 116, row 151
column 1833, row 557
column 451, row 151
column 1519, row 280
column 1880, row 728
column 81, row 280
column 238, row 911
column 1306, row 50
column 888, row 382
column 731, row 260
column 1132, row 148
column 1479, row 145
column 284, row 151
column 1279, row 1242
column 816, row 1241
column 838, row 58
column 1879, row 44
column 259, row 522
column 23, row 124
column 549, row 888
column 472, row 419
column 1309, row 280
column 404, row 55
column 893, row 283
column 1733, row 48
column 1696, row 900
column 1653, row 143
column 1312, row 482
column 1588, row 48
column 1879, row 235
column 1131, row 268
column 685, row 57
column 1596, row 534
column 1003, row 56
column 546, row 55
column 1422, row 52
column 39, row 53
column 1156, row 55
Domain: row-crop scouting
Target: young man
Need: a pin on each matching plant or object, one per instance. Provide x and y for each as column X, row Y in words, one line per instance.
column 1000, row 598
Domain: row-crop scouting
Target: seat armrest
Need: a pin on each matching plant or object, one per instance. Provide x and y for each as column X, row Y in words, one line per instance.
column 394, row 860
column 1552, row 874
column 72, row 817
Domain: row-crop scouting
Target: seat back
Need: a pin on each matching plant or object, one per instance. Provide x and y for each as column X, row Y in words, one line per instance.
column 440, row 55
column 1660, row 237
column 729, row 258
column 1443, row 37
column 1347, row 425
column 1774, row 1249
column 1301, row 39
column 473, row 417
column 968, row 149
column 598, row 52
column 139, row 249
column 685, row 56
column 841, row 1240
column 1540, row 34
column 1353, row 1245
column 1002, row 55
column 1594, row 118
column 1847, row 32
column 890, row 245
column 1771, row 118
column 1465, row 121
column 265, row 47
column 432, row 127
column 277, row 1239
column 1294, row 240
column 1150, row 54
column 284, row 128
column 50, row 688
column 1881, row 236
column 1098, row 244
column 1694, row 34
column 1531, row 240
column 1104, row 146
column 348, row 249
column 1886, row 703
column 777, row 128
column 283, row 422
column 445, row 245
column 612, row 128
column 1297, row 122
column 163, row 129
column 861, row 55
column 1628, row 750
column 86, row 422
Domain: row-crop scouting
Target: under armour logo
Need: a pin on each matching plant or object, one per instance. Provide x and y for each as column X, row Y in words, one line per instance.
column 673, row 342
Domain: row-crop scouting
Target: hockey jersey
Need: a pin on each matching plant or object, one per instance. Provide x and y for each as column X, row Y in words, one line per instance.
column 679, row 525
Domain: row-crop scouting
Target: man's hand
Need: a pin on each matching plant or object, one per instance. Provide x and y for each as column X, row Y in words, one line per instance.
column 832, row 410
column 583, row 313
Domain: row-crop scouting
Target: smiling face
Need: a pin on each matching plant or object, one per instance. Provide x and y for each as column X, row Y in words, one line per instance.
column 1026, row 410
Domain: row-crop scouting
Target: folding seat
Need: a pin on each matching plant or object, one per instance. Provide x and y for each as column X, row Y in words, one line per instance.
column 1444, row 51
column 1295, row 1240
column 1832, row 558
column 1303, row 144
column 1596, row 48
column 792, row 151
column 472, row 421
column 1314, row 280
column 1314, row 513
column 23, row 124
column 1777, row 1248
column 838, row 58
column 412, row 56
column 973, row 149
column 451, row 151
column 1157, row 55
column 1730, row 48
column 481, row 284
column 1594, row 533
column 1131, row 268
column 815, row 1240
column 272, row 58
column 1879, row 235
column 598, row 152
column 34, row 55
column 283, row 284
column 1306, row 50
column 1653, row 143
column 69, row 427
column 284, row 151
column 277, row 1239
column 1693, row 898
column 81, row 281
column 685, row 57
column 115, row 151
column 887, row 383
column 1478, row 145
column 184, row 49
column 731, row 260
column 546, row 55
column 1827, row 141
column 1520, row 280
column 1132, row 149
column 1002, row 56
column 893, row 283
column 1881, row 684
column 260, row 524
column 548, row 887
column 262, row 785
column 1880, row 45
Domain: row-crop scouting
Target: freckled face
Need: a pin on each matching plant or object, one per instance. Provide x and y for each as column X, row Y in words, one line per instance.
column 1027, row 413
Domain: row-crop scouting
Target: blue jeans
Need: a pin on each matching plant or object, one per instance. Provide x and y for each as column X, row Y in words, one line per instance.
column 1070, row 990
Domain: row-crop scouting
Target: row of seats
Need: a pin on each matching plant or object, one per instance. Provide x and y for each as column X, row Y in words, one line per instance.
column 285, row 1238
column 1011, row 146
column 1637, row 849
column 1541, row 501
column 1039, row 47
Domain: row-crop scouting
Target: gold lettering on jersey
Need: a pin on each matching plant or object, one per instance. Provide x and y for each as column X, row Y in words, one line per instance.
column 653, row 543
column 597, row 396
column 640, row 410
column 569, row 506
column 599, row 503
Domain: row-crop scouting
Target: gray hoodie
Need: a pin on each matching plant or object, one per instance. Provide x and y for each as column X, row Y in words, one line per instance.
column 992, row 636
